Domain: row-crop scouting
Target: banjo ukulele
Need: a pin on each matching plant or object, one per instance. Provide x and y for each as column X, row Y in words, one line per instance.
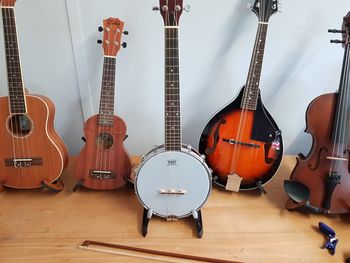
column 173, row 180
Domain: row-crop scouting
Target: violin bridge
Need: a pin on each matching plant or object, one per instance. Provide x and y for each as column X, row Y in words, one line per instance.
column 336, row 158
column 172, row 192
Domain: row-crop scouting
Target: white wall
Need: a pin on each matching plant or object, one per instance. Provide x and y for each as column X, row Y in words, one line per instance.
column 216, row 44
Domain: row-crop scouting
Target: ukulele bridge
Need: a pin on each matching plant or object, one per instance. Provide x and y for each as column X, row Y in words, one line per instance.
column 172, row 192
column 23, row 162
column 102, row 175
column 231, row 141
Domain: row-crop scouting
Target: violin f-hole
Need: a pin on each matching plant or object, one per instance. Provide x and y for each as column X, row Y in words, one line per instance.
column 313, row 168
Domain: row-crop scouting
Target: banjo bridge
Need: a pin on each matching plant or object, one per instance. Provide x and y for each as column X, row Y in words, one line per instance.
column 172, row 192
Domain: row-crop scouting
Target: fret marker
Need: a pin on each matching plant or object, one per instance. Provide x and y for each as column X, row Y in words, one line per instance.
column 172, row 84
column 167, row 114
column 172, row 70
column 177, row 114
column 172, row 104
column 108, row 84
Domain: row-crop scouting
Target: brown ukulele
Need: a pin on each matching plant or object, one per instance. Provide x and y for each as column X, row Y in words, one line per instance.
column 321, row 180
column 104, row 164
column 242, row 140
column 32, row 155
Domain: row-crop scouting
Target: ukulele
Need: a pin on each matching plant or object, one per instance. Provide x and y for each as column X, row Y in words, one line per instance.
column 103, row 163
column 172, row 180
column 243, row 139
column 321, row 180
column 32, row 155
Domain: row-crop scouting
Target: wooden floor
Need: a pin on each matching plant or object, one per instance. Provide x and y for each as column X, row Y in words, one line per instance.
column 39, row 226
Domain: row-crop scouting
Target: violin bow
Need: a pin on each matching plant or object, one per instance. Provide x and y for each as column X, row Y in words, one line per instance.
column 86, row 246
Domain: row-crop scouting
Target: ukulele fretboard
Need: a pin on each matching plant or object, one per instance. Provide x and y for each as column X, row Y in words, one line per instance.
column 14, row 73
column 106, row 112
column 172, row 91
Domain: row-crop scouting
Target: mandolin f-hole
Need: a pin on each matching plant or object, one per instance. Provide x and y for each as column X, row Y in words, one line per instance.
column 216, row 137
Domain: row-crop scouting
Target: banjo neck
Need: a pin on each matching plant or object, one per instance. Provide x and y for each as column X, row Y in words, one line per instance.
column 171, row 11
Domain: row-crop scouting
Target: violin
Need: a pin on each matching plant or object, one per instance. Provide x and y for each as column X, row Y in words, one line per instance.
column 321, row 180
column 243, row 139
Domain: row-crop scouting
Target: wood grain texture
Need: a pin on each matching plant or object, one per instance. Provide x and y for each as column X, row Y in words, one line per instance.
column 94, row 158
column 42, row 142
column 38, row 226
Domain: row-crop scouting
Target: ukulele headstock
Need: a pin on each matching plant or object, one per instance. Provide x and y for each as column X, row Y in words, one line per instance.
column 7, row 3
column 112, row 34
column 264, row 9
column 171, row 11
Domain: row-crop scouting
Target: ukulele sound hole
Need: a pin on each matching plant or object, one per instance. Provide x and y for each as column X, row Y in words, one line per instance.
column 20, row 125
column 104, row 141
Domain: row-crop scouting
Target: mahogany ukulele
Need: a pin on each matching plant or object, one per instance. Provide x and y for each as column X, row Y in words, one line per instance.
column 243, row 139
column 32, row 155
column 103, row 163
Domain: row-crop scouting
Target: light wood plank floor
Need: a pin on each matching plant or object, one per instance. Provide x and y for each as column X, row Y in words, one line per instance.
column 37, row 226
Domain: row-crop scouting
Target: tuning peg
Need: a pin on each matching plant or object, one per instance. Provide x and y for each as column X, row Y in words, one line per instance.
column 100, row 29
column 280, row 10
column 280, row 2
column 336, row 31
column 124, row 45
column 126, row 32
column 336, row 41
column 249, row 5
column 99, row 41
column 155, row 8
column 187, row 8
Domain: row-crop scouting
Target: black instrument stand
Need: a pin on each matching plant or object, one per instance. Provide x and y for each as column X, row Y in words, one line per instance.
column 197, row 216
column 78, row 186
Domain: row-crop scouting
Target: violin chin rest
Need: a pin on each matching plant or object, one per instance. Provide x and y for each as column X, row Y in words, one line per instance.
column 297, row 191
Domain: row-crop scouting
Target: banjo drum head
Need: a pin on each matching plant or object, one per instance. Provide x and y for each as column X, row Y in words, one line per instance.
column 173, row 183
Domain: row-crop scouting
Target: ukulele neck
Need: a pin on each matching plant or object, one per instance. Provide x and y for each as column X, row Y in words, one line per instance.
column 17, row 103
column 172, row 90
column 251, row 91
column 106, row 111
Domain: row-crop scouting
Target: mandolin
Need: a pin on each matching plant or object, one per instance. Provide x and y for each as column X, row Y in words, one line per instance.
column 321, row 180
column 242, row 139
column 32, row 155
column 103, row 163
column 172, row 180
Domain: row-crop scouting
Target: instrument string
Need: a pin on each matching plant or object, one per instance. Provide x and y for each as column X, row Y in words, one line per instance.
column 339, row 136
column 166, row 101
column 5, row 26
column 13, row 44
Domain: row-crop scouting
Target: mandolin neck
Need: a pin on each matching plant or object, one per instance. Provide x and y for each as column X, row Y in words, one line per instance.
column 17, row 103
column 172, row 91
column 251, row 91
column 106, row 111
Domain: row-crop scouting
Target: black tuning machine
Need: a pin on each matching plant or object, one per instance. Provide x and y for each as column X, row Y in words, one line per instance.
column 336, row 41
column 100, row 29
column 99, row 41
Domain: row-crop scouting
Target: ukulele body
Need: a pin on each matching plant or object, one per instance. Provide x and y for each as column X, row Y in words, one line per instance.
column 31, row 154
column 103, row 163
column 314, row 169
column 243, row 142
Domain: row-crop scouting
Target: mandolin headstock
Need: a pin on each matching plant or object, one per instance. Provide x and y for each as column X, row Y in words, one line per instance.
column 264, row 9
column 171, row 11
column 112, row 35
column 7, row 3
